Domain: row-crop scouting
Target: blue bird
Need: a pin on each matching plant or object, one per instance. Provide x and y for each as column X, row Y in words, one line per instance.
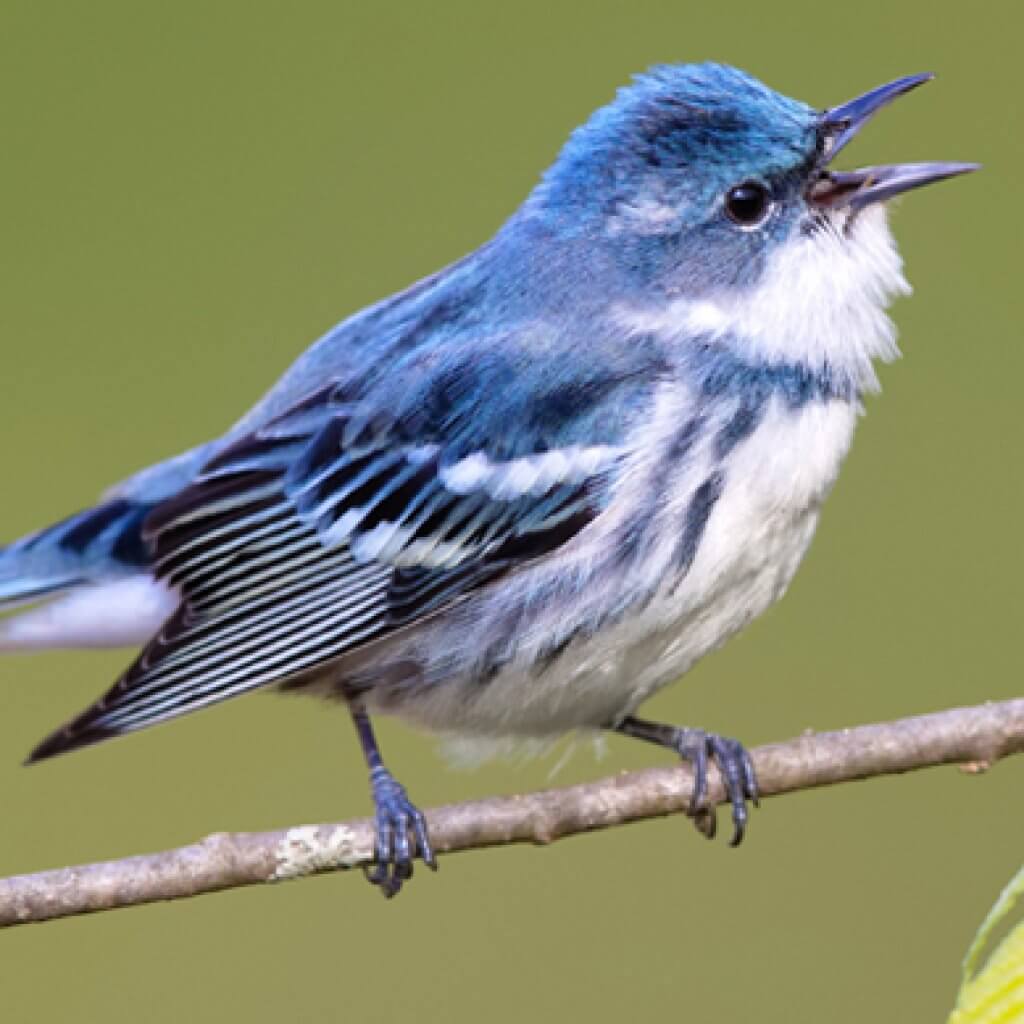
column 523, row 495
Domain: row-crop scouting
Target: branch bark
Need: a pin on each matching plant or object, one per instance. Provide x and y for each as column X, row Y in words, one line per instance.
column 975, row 737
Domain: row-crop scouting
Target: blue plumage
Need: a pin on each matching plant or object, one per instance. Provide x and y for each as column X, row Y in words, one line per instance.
column 95, row 545
column 522, row 495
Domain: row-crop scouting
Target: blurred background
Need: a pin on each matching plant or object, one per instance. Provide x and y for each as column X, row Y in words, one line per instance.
column 191, row 193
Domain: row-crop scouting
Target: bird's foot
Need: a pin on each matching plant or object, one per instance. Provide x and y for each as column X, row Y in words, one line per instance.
column 698, row 748
column 401, row 834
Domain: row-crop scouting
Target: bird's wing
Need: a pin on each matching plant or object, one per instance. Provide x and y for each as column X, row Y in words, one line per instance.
column 343, row 520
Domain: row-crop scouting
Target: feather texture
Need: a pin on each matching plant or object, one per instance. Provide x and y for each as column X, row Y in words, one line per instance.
column 322, row 531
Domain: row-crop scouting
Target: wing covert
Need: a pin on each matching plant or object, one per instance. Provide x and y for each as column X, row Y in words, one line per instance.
column 326, row 529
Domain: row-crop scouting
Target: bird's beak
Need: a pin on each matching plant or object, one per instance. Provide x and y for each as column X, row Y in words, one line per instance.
column 857, row 189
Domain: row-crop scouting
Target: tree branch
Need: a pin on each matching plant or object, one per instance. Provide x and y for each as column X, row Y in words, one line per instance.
column 975, row 737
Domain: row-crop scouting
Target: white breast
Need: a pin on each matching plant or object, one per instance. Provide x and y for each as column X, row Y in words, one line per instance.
column 756, row 536
column 754, row 540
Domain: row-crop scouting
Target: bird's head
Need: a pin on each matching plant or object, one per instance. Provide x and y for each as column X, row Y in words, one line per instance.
column 708, row 188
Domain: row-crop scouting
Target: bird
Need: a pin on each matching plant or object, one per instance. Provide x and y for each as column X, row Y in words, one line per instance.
column 518, row 498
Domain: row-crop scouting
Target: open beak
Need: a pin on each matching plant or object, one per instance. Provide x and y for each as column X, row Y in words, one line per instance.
column 856, row 189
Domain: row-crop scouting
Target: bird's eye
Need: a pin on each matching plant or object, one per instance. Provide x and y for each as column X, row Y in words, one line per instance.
column 747, row 204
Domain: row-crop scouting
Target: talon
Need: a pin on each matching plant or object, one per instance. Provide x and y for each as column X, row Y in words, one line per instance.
column 697, row 746
column 705, row 821
column 692, row 746
column 402, row 859
column 737, row 771
column 739, row 821
column 750, row 779
column 426, row 851
column 401, row 835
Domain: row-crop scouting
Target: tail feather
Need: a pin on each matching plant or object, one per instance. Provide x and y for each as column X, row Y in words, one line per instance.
column 17, row 592
column 94, row 546
column 87, row 578
column 122, row 613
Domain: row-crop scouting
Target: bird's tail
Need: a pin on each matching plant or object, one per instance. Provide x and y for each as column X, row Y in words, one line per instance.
column 90, row 570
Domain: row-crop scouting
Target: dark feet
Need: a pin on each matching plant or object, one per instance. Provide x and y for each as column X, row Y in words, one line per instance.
column 401, row 827
column 733, row 761
column 401, row 834
column 698, row 747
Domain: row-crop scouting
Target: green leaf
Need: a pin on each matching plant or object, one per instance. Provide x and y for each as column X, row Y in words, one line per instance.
column 995, row 995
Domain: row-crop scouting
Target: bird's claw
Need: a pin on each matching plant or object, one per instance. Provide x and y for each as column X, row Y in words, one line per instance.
column 401, row 835
column 698, row 747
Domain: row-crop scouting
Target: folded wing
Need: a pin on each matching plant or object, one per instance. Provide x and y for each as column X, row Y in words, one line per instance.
column 328, row 528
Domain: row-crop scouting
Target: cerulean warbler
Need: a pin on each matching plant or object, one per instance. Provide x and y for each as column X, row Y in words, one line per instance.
column 521, row 496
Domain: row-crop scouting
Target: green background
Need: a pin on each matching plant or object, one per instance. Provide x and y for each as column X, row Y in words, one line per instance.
column 190, row 194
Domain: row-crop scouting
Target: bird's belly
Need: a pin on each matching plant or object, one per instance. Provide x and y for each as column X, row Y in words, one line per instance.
column 586, row 657
column 599, row 678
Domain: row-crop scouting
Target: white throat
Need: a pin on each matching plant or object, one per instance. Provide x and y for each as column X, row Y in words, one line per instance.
column 821, row 302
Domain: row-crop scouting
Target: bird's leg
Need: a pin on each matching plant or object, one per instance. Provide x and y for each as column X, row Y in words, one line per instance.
column 396, row 818
column 697, row 747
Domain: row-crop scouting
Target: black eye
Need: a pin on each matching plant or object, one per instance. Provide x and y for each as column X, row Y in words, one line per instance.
column 747, row 204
